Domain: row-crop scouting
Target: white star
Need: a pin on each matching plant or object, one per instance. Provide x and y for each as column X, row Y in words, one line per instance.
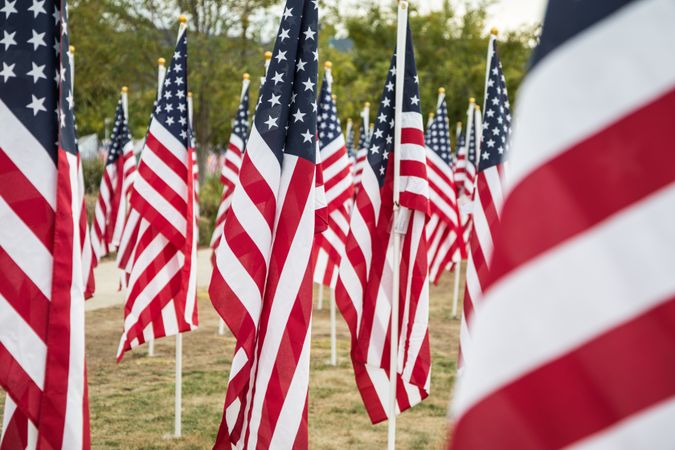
column 316, row 55
column 486, row 156
column 9, row 8
column 38, row 7
column 393, row 71
column 301, row 65
column 37, row 72
column 275, row 100
column 293, row 95
column 316, row 4
column 62, row 118
column 176, row 55
column 309, row 86
column 382, row 117
column 183, row 134
column 385, row 155
column 288, row 13
column 182, row 120
column 7, row 72
column 417, row 79
column 167, row 94
column 314, row 107
column 281, row 56
column 8, row 39
column 37, row 40
column 169, row 121
column 390, row 139
column 381, row 170
column 57, row 46
column 490, row 143
column 284, row 34
column 306, row 136
column 278, row 77
column 271, row 122
column 374, row 149
column 56, row 15
column 37, row 104
column 299, row 116
column 179, row 81
column 70, row 100
column 64, row 28
column 168, row 107
column 386, row 102
column 414, row 100
column 309, row 34
column 379, row 134
column 390, row 86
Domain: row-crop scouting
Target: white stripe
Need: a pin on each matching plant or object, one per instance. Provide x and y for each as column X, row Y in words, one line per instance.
column 25, row 249
column 252, row 220
column 28, row 155
column 412, row 119
column 159, row 202
column 166, row 174
column 379, row 326
column 237, row 142
column 290, row 416
column 168, row 141
column 26, row 347
column 649, row 429
column 290, row 280
column 339, row 188
column 609, row 65
column 608, row 294
column 261, row 157
column 169, row 319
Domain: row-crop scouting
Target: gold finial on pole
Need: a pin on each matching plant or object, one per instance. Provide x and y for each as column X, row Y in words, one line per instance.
column 334, row 97
column 125, row 89
column 161, row 61
column 189, row 93
column 71, row 49
column 472, row 100
column 328, row 65
column 441, row 90
column 366, row 105
column 268, row 55
column 494, row 31
column 247, row 76
column 182, row 19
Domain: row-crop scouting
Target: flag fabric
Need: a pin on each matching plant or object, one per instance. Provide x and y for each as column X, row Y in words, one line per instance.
column 41, row 288
column 111, row 205
column 489, row 191
column 362, row 149
column 233, row 155
column 161, row 292
column 364, row 288
column 262, row 280
column 338, row 185
column 580, row 297
column 444, row 232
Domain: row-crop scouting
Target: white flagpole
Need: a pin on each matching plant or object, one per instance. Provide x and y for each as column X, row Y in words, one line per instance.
column 125, row 101
column 161, row 73
column 333, row 327
column 365, row 116
column 179, row 336
column 71, row 60
column 455, row 294
column 398, row 113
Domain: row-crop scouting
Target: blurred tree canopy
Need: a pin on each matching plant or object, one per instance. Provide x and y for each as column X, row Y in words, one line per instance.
column 119, row 41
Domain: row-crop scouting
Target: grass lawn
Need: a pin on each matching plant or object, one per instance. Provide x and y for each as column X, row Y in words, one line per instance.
column 132, row 403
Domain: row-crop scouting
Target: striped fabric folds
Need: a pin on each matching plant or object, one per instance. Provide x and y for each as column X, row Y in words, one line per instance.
column 233, row 155
column 111, row 206
column 42, row 362
column 572, row 339
column 162, row 286
column 364, row 289
column 338, row 183
column 262, row 280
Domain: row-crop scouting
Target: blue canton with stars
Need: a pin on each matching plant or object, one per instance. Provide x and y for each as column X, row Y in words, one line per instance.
column 328, row 122
column 471, row 152
column 459, row 143
column 350, row 141
column 171, row 109
column 363, row 136
column 31, row 40
column 120, row 135
column 240, row 127
column 286, row 115
column 382, row 141
column 439, row 134
column 497, row 117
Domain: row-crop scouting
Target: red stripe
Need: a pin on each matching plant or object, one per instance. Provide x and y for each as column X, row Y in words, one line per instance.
column 19, row 385
column 412, row 136
column 596, row 385
column 619, row 166
column 177, row 165
column 258, row 190
column 26, row 202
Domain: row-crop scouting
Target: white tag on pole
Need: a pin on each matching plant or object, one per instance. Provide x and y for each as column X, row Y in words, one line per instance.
column 402, row 219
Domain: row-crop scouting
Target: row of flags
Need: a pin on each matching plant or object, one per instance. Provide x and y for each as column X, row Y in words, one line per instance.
column 300, row 205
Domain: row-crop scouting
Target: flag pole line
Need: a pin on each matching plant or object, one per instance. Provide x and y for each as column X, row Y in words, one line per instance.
column 179, row 385
column 455, row 294
column 333, row 325
column 398, row 113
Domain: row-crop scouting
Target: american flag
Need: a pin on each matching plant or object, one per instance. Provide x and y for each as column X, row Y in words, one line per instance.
column 364, row 288
column 338, row 185
column 233, row 156
column 161, row 293
column 488, row 198
column 572, row 344
column 444, row 232
column 111, row 205
column 41, row 288
column 362, row 149
column 350, row 134
column 465, row 172
column 262, row 279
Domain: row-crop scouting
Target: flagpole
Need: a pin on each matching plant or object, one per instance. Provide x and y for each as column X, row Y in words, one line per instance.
column 125, row 102
column 71, row 60
column 333, row 328
column 401, row 34
column 455, row 294
column 179, row 336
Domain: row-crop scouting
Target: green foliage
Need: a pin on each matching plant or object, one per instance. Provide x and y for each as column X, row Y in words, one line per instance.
column 209, row 200
column 93, row 172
